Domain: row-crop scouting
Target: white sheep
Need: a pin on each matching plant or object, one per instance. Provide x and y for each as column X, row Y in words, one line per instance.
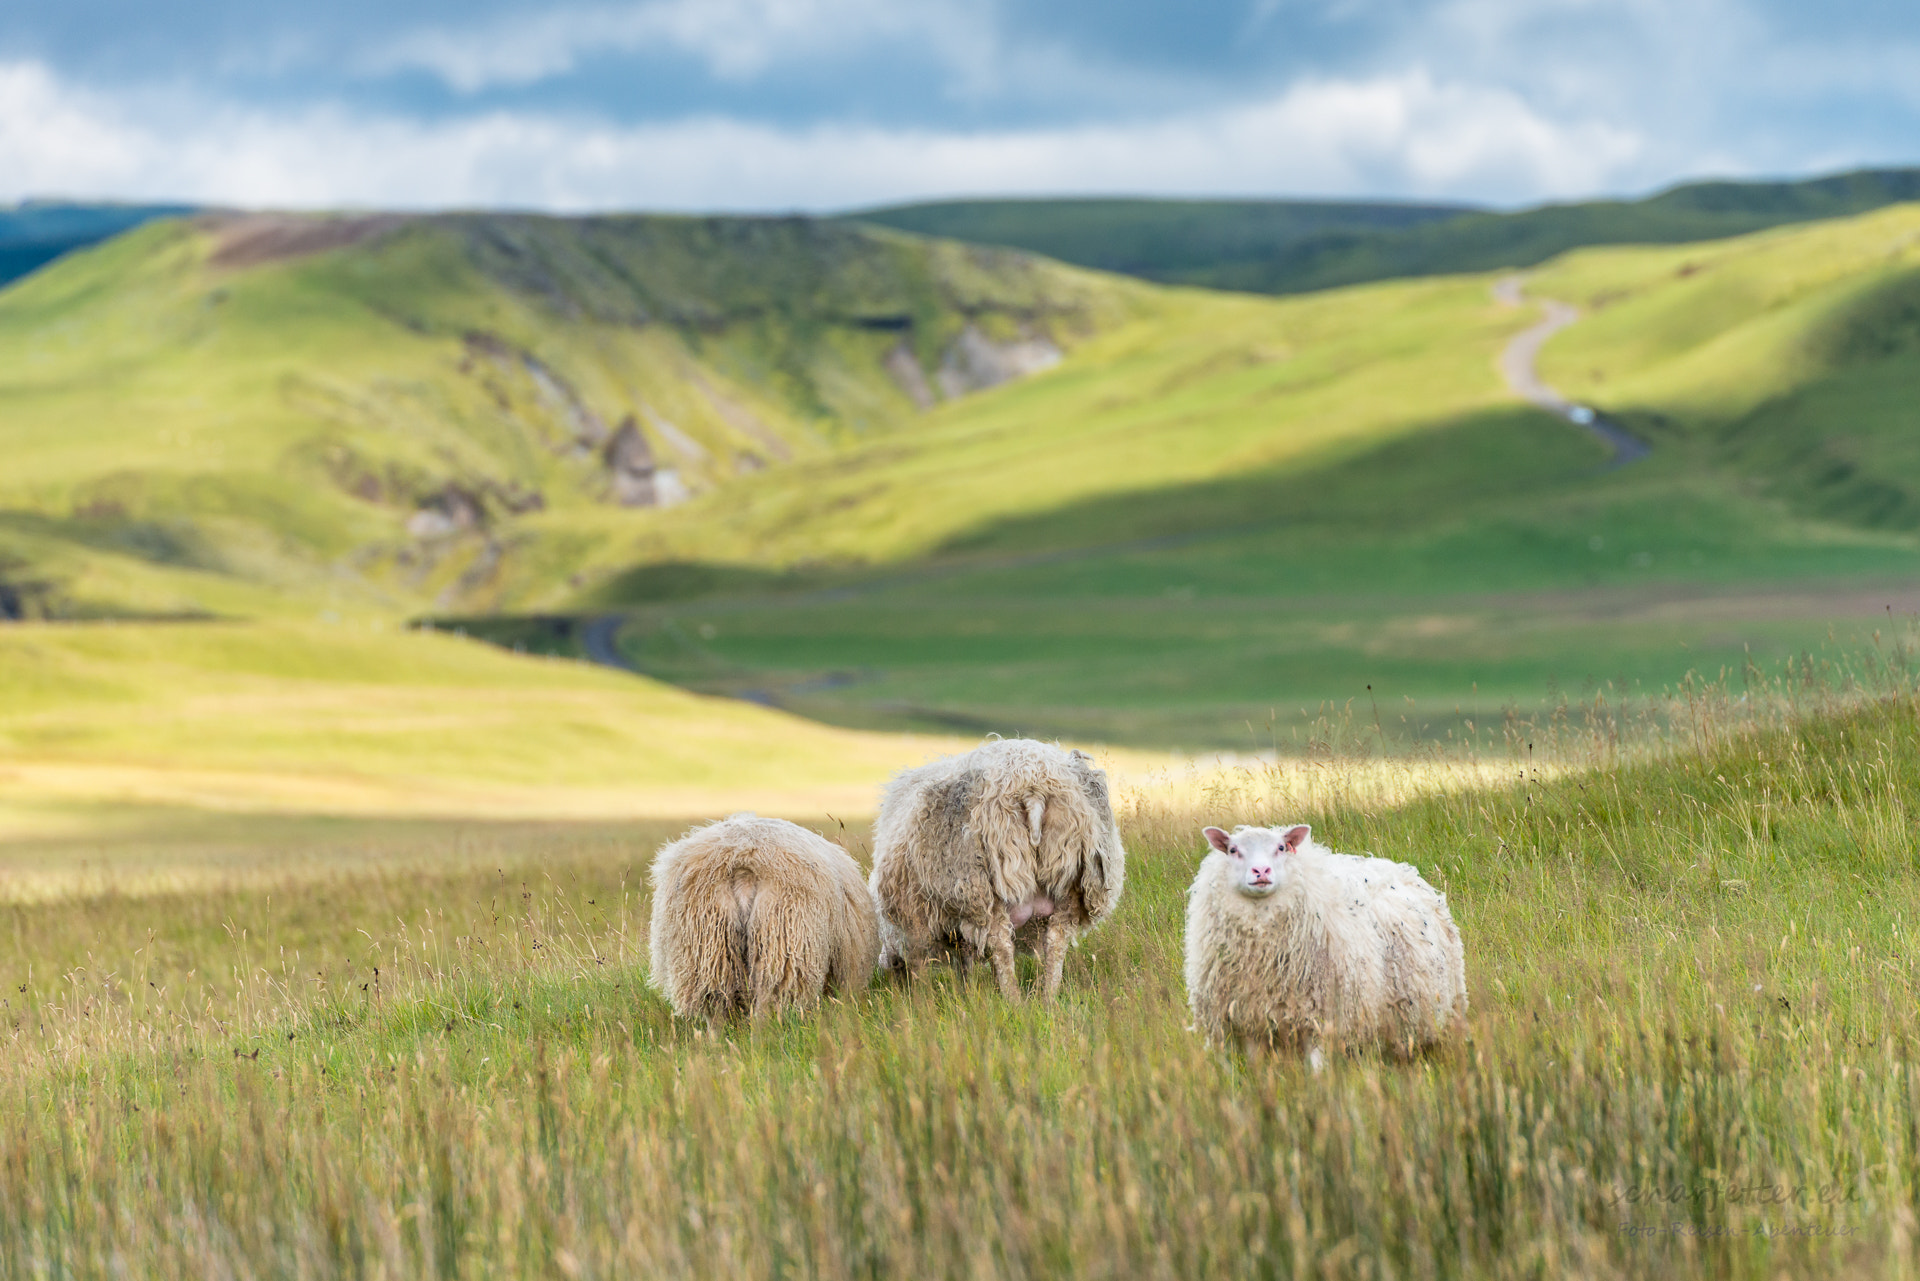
column 1291, row 945
column 1012, row 844
column 752, row 915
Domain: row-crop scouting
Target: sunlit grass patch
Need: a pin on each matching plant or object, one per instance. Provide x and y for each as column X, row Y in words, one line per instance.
column 1691, row 1052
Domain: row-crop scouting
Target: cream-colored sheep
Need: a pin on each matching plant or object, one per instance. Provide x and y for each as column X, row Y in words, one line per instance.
column 1010, row 844
column 751, row 915
column 1292, row 945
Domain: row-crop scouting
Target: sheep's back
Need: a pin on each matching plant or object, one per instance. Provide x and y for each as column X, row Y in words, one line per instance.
column 926, row 868
column 750, row 891
column 1079, row 854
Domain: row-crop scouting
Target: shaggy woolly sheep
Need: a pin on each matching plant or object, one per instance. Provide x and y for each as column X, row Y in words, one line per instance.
column 754, row 914
column 1290, row 944
column 1010, row 844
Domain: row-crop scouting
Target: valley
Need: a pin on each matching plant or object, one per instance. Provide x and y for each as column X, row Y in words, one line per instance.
column 889, row 483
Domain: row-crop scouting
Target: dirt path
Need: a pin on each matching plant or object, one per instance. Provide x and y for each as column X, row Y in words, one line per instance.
column 1517, row 367
column 599, row 639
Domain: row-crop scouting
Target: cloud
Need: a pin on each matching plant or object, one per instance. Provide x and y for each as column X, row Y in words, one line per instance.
column 736, row 39
column 1405, row 135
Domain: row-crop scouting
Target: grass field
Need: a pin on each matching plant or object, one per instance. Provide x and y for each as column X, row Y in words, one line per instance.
column 1691, row 1051
column 322, row 939
column 291, row 718
column 1217, row 516
column 1239, row 511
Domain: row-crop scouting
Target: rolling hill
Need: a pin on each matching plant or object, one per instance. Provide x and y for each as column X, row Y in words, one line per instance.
column 268, row 412
column 1195, row 520
column 1167, row 241
column 1242, row 510
column 1284, row 247
column 35, row 232
column 333, row 718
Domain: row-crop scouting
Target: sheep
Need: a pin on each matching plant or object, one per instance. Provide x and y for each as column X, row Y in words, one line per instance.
column 755, row 915
column 1292, row 945
column 1010, row 844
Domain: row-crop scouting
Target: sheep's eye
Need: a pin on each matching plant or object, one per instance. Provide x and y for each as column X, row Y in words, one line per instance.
column 1233, row 849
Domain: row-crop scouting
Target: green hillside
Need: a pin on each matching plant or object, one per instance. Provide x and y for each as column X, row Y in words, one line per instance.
column 139, row 720
column 1792, row 358
column 1241, row 508
column 240, row 414
column 35, row 232
column 1171, row 241
column 1284, row 247
column 1196, row 520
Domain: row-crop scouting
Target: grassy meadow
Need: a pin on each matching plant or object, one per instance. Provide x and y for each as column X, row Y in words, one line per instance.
column 276, row 717
column 1692, row 1047
column 1215, row 523
column 243, row 415
column 322, row 937
column 1219, row 517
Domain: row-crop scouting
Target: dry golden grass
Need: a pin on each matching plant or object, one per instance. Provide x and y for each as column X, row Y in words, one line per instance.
column 393, row 1049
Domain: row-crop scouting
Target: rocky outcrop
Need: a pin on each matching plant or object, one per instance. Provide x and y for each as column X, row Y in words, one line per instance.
column 904, row 368
column 453, row 510
column 581, row 429
column 637, row 480
column 976, row 362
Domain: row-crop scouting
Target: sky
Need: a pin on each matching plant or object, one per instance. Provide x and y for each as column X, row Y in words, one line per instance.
column 573, row 105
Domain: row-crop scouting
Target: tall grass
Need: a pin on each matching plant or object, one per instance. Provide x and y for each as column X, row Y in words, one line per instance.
column 1693, row 1052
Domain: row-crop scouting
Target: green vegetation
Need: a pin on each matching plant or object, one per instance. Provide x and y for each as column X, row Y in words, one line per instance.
column 357, row 720
column 35, row 232
column 307, row 977
column 1691, row 1054
column 1181, row 242
column 1218, row 515
column 1789, row 358
column 1284, row 247
column 374, row 414
column 1240, row 510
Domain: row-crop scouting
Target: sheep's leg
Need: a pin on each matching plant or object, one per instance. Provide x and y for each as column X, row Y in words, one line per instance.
column 914, row 958
column 1053, row 956
column 1000, row 951
column 1316, row 1059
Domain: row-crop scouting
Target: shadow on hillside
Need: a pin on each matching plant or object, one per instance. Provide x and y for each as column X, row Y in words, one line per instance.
column 1400, row 486
column 1503, row 458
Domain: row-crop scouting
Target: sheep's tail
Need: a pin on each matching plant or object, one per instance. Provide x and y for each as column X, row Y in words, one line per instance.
column 1036, row 811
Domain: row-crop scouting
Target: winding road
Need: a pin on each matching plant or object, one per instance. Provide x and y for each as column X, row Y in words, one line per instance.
column 599, row 638
column 599, row 634
column 1517, row 367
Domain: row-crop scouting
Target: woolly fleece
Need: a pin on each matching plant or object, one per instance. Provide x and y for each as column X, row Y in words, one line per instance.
column 752, row 915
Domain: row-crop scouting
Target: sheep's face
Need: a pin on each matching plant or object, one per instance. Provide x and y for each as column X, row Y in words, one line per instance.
column 1259, row 858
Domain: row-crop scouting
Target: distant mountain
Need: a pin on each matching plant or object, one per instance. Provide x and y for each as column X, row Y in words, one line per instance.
column 36, row 232
column 1285, row 247
column 1173, row 241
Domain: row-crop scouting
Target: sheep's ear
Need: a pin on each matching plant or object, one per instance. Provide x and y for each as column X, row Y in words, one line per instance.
column 1216, row 838
column 1297, row 836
